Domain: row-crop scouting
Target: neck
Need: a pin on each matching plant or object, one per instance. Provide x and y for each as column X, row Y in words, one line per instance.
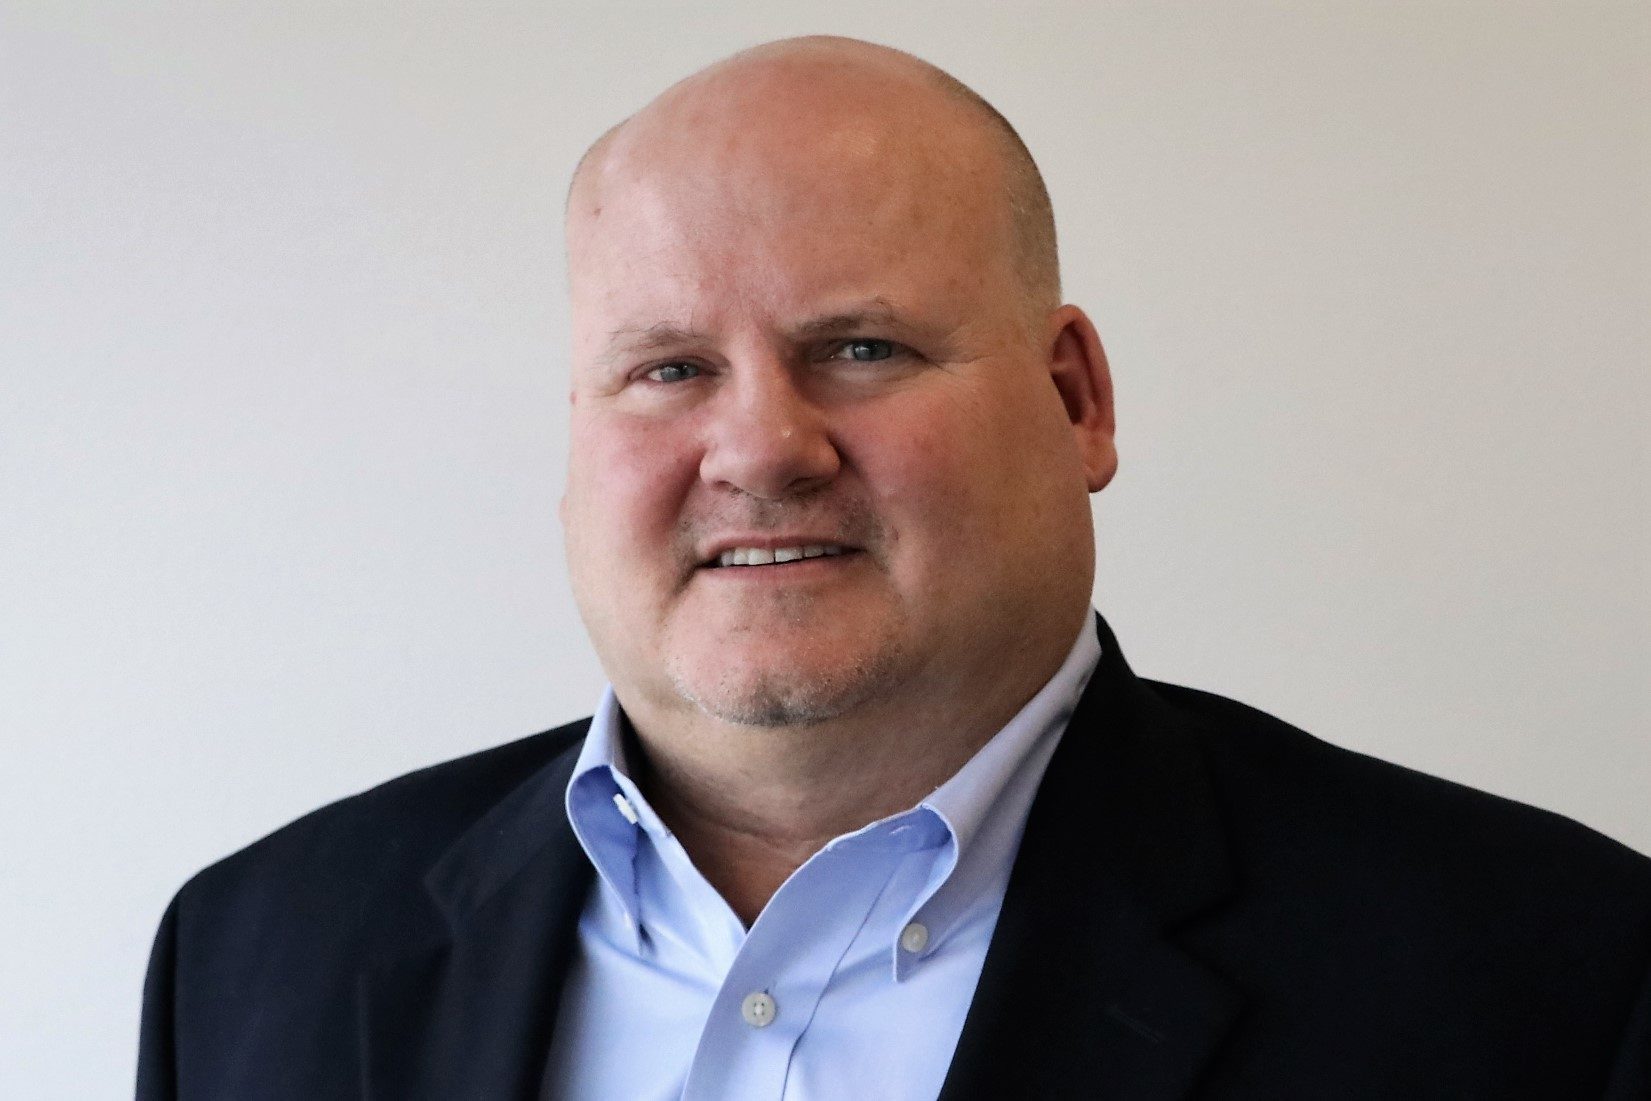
column 751, row 804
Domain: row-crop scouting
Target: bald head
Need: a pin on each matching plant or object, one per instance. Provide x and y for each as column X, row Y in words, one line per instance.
column 823, row 88
column 813, row 304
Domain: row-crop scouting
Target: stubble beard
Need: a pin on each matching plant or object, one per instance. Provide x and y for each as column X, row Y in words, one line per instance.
column 795, row 697
column 797, row 685
column 808, row 691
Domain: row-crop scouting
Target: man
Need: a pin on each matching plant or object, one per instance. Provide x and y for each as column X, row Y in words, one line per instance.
column 875, row 806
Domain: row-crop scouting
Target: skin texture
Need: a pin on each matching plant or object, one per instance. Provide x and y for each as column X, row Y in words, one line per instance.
column 802, row 314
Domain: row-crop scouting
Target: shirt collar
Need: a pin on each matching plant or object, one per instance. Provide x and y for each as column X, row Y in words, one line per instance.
column 976, row 815
column 606, row 808
column 985, row 803
column 965, row 800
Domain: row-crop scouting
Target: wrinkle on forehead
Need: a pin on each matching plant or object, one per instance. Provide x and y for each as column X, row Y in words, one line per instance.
column 810, row 138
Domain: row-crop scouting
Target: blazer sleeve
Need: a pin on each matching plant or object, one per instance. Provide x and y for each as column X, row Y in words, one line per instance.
column 157, row 1059
column 1631, row 1075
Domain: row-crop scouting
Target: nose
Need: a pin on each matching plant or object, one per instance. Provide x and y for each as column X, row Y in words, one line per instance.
column 766, row 438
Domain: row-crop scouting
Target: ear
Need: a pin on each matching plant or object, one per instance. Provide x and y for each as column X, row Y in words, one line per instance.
column 1077, row 363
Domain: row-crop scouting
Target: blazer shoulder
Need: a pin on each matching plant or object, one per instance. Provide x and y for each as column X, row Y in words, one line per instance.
column 1374, row 909
column 392, row 831
column 1290, row 795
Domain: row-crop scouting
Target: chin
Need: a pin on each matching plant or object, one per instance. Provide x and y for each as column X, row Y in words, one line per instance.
column 748, row 695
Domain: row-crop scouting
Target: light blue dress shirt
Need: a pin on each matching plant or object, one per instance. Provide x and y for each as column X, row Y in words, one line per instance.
column 854, row 980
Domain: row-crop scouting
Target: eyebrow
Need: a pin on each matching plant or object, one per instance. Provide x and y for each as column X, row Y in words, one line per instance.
column 876, row 312
column 624, row 340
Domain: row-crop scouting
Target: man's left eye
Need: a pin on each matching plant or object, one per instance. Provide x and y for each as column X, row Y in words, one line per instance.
column 674, row 372
column 864, row 351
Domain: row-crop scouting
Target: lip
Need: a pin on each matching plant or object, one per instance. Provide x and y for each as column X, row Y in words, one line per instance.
column 709, row 553
column 798, row 571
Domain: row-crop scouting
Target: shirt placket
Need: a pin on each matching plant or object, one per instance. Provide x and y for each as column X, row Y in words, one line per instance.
column 781, row 971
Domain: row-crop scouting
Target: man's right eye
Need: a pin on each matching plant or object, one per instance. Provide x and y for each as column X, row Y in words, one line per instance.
column 673, row 372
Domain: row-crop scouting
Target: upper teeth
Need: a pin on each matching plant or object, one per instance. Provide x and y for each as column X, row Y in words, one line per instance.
column 762, row 556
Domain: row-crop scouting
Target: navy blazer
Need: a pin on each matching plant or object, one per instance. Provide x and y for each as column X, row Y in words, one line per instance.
column 1207, row 903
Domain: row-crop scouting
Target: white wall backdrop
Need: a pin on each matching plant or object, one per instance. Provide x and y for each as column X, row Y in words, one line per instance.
column 281, row 373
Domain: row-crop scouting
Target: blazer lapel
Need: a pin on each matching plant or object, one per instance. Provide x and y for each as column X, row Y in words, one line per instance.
column 469, row 1011
column 1084, row 992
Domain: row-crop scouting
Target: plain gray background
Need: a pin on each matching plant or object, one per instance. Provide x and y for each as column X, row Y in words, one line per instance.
column 281, row 426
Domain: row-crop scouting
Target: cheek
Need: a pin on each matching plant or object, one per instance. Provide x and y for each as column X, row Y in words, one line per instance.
column 960, row 477
column 625, row 473
column 926, row 469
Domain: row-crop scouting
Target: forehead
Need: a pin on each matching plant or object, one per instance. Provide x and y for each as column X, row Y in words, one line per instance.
column 792, row 199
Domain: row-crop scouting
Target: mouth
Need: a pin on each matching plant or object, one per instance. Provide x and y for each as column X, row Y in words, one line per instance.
column 747, row 557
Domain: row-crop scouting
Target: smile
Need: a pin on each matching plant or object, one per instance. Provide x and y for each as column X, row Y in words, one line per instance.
column 768, row 556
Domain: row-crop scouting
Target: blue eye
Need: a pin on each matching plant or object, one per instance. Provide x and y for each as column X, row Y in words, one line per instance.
column 674, row 372
column 865, row 351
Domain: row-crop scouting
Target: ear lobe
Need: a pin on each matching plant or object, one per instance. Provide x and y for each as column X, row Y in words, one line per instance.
column 1077, row 364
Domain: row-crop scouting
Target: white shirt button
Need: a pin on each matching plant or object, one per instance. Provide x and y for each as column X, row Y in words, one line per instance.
column 758, row 1009
column 625, row 808
column 914, row 937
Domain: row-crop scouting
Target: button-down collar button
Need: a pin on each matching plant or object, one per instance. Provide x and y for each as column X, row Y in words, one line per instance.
column 625, row 807
column 914, row 937
column 758, row 1009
